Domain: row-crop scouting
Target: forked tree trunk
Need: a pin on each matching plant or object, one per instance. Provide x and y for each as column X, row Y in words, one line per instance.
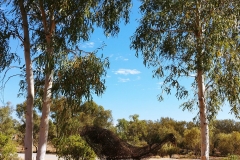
column 28, row 140
column 203, row 117
column 44, row 125
column 49, row 28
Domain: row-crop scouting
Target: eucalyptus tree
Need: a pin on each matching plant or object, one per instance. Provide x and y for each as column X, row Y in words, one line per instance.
column 58, row 27
column 11, row 29
column 197, row 38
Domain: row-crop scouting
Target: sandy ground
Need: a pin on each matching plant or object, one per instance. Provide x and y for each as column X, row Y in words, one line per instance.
column 48, row 156
column 54, row 157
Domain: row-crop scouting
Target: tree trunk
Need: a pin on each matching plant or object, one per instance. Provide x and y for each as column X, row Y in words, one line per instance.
column 203, row 117
column 44, row 125
column 49, row 29
column 201, row 86
column 28, row 140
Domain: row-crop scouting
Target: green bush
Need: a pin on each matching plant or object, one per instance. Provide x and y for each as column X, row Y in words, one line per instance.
column 7, row 147
column 229, row 143
column 168, row 149
column 73, row 148
column 232, row 157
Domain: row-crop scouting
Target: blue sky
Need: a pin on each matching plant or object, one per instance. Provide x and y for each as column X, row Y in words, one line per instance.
column 130, row 86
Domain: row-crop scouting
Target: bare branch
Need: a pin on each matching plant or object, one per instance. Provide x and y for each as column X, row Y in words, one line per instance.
column 4, row 84
column 5, row 73
column 208, row 85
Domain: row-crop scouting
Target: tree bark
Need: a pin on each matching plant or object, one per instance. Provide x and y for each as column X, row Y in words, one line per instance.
column 49, row 29
column 44, row 125
column 201, row 86
column 47, row 100
column 28, row 140
column 203, row 117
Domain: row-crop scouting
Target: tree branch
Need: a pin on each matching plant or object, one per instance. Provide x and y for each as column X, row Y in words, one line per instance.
column 208, row 85
column 176, row 30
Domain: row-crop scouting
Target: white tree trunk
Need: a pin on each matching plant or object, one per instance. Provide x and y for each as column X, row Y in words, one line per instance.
column 49, row 29
column 203, row 117
column 201, row 86
column 28, row 140
column 44, row 125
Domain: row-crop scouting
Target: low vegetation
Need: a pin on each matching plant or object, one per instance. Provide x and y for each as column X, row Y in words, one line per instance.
column 66, row 122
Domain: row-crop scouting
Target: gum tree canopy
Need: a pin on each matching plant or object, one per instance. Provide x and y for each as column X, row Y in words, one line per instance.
column 200, row 38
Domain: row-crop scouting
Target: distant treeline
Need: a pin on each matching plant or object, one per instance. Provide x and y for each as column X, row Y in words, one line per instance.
column 224, row 135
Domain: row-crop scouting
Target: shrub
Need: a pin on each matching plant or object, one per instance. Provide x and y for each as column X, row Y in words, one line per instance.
column 7, row 147
column 74, row 148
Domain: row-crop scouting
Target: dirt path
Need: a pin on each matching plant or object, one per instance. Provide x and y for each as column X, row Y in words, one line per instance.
column 48, row 156
column 54, row 157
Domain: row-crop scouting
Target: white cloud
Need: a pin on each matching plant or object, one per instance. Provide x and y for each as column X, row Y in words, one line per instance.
column 88, row 45
column 127, row 71
column 121, row 58
column 123, row 79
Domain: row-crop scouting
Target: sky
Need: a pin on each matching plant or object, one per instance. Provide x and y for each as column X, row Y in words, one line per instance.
column 130, row 86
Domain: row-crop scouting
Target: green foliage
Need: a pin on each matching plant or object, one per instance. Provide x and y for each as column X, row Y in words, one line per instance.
column 67, row 60
column 56, row 29
column 152, row 135
column 193, row 38
column 168, row 149
column 178, row 38
column 69, row 120
column 6, row 122
column 70, row 22
column 168, row 125
column 192, row 139
column 74, row 148
column 122, row 128
column 232, row 157
column 136, row 130
column 226, row 126
column 229, row 143
column 225, row 135
column 132, row 131
column 80, row 77
column 7, row 131
column 6, row 57
column 142, row 132
column 8, row 147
